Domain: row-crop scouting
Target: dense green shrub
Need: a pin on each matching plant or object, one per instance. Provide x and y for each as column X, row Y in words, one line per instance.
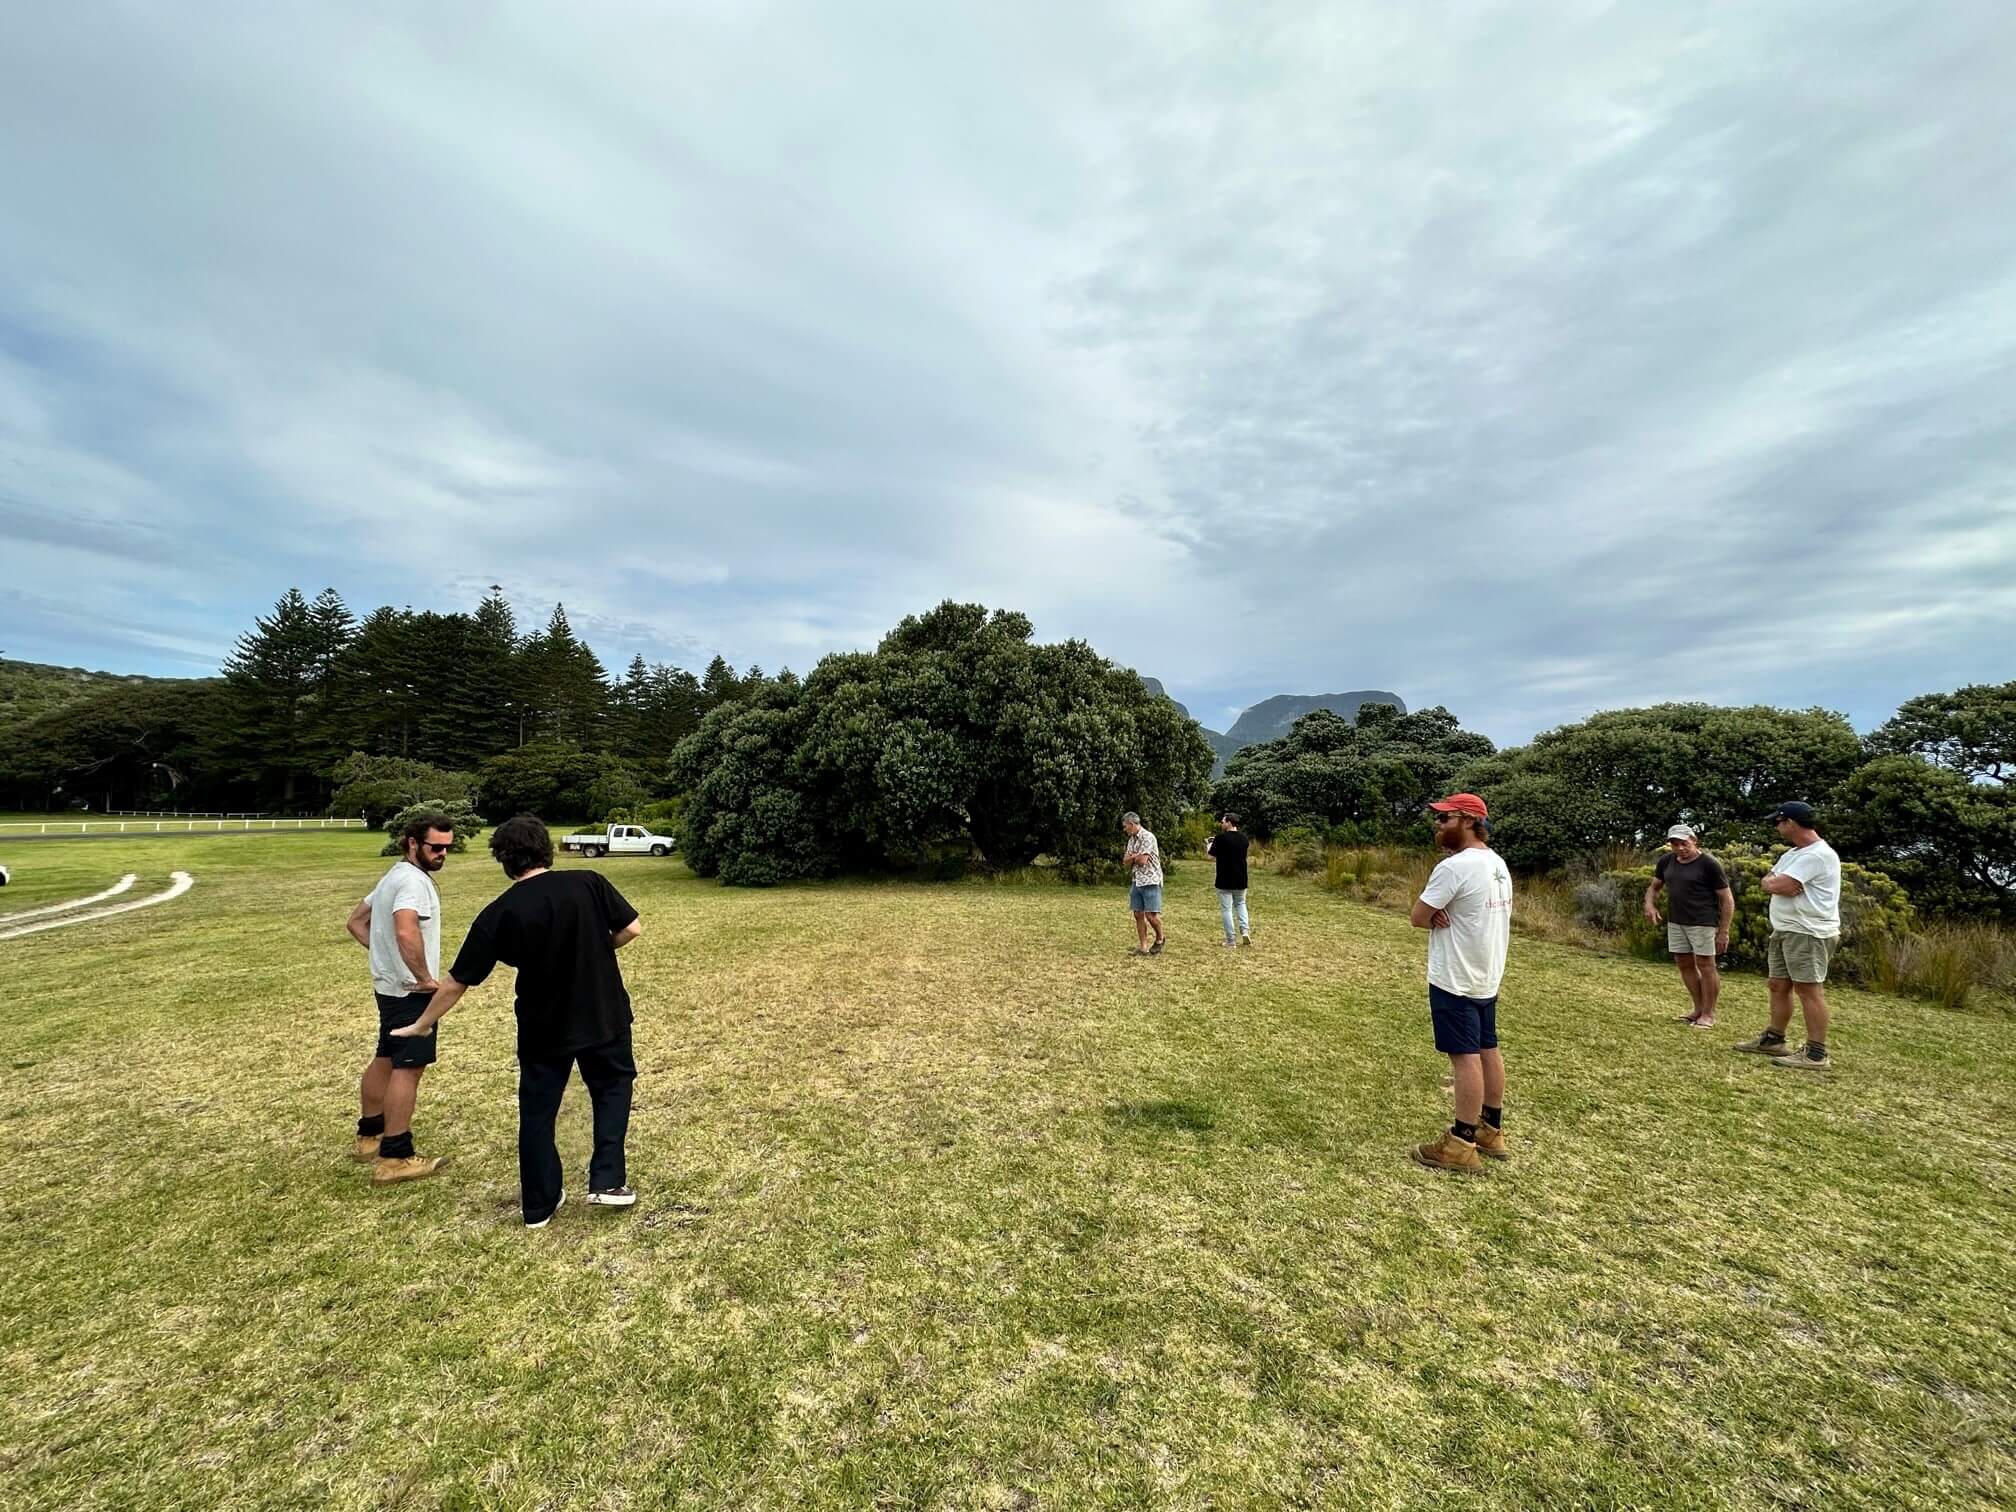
column 552, row 780
column 1374, row 776
column 1951, row 838
column 957, row 731
column 468, row 823
column 1298, row 848
column 1623, row 776
column 378, row 787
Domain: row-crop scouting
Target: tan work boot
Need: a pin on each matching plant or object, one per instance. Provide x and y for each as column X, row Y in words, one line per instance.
column 405, row 1168
column 367, row 1146
column 1448, row 1153
column 1491, row 1143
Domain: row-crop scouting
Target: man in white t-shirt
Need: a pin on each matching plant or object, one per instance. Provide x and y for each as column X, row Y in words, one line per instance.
column 1467, row 910
column 399, row 923
column 1805, row 889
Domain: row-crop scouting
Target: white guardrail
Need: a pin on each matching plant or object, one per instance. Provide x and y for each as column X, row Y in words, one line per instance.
column 169, row 826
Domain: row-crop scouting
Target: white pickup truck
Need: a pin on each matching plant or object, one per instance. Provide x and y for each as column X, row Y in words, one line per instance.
column 620, row 840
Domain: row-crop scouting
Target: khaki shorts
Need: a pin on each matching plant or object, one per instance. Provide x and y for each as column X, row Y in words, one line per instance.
column 1800, row 957
column 1690, row 939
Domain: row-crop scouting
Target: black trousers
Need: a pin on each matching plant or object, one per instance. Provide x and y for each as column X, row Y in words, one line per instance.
column 607, row 1070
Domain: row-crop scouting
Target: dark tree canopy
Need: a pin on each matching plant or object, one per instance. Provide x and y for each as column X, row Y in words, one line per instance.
column 957, row 731
column 1374, row 776
column 1950, row 840
column 310, row 686
column 1971, row 730
column 1626, row 775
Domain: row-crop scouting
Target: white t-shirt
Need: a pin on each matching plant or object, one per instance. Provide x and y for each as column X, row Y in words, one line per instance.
column 1475, row 889
column 405, row 886
column 1817, row 910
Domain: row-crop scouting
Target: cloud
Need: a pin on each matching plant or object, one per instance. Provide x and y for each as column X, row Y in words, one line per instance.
column 1526, row 361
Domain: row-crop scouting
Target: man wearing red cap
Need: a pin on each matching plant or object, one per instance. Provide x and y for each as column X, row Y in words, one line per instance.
column 1467, row 910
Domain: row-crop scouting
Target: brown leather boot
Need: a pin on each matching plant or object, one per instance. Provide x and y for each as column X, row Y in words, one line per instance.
column 1491, row 1143
column 367, row 1146
column 405, row 1168
column 1448, row 1153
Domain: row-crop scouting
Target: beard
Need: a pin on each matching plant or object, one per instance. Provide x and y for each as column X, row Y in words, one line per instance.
column 1449, row 836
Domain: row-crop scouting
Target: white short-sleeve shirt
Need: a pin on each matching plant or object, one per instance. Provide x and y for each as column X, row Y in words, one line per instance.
column 1475, row 889
column 1816, row 909
column 405, row 886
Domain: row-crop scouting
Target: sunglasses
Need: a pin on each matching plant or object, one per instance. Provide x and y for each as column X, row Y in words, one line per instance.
column 429, row 845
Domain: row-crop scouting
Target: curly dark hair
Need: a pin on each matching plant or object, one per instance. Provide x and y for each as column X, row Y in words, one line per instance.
column 521, row 844
column 417, row 828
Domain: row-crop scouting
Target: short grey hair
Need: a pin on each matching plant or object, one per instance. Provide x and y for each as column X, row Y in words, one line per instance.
column 1130, row 817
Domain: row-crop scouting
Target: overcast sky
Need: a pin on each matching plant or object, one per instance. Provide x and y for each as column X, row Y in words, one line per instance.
column 1530, row 358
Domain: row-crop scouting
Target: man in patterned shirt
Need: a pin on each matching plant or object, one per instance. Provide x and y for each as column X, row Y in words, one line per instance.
column 1144, row 857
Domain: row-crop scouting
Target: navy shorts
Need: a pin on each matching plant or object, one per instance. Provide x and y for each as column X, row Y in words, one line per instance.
column 1463, row 1026
column 397, row 1013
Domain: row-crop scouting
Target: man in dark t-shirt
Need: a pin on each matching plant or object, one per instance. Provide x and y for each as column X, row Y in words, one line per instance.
column 562, row 931
column 1228, row 849
column 1697, row 919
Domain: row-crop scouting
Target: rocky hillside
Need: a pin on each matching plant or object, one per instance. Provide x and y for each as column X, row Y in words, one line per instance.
column 1272, row 718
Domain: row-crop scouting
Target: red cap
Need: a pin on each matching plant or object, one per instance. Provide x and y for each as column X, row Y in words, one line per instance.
column 1462, row 803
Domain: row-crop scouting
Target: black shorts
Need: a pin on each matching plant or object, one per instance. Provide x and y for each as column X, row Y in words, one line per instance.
column 397, row 1013
column 1463, row 1026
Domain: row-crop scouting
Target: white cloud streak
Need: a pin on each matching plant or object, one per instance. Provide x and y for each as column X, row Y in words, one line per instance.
column 1528, row 360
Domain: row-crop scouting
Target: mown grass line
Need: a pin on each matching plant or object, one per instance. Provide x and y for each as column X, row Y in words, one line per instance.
column 947, row 1201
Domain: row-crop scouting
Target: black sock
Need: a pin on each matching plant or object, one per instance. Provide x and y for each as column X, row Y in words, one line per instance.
column 1772, row 1037
column 396, row 1146
column 1816, row 1050
column 1495, row 1117
column 375, row 1124
column 1465, row 1132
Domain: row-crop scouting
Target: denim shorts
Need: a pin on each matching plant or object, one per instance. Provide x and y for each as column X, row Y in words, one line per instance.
column 1463, row 1026
column 1145, row 899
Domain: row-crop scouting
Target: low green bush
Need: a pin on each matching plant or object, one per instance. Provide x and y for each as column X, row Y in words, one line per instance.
column 1297, row 848
column 468, row 823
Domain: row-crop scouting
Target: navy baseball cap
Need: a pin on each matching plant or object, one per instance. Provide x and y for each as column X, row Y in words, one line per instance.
column 1798, row 813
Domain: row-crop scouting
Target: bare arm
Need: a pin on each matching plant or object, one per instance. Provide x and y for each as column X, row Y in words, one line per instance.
column 412, row 949
column 1427, row 916
column 1652, row 900
column 624, row 935
column 446, row 995
column 359, row 923
column 1725, row 900
column 1782, row 886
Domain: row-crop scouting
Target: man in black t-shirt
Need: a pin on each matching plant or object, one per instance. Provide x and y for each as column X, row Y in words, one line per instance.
column 562, row 931
column 1228, row 849
column 1697, row 922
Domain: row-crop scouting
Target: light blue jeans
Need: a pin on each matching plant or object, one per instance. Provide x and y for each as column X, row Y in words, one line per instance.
column 1230, row 903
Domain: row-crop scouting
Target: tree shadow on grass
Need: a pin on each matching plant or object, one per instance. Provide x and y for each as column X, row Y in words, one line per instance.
column 1164, row 1117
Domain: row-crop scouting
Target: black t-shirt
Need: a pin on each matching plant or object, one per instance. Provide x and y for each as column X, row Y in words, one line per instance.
column 1693, row 885
column 555, row 929
column 1228, row 849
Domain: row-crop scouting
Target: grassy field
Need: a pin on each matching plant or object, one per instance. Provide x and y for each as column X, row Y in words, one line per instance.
column 949, row 1202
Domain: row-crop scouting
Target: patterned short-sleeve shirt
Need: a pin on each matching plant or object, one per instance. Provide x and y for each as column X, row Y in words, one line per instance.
column 1143, row 844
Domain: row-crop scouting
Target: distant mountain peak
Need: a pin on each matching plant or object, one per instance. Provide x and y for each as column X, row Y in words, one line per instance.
column 1272, row 718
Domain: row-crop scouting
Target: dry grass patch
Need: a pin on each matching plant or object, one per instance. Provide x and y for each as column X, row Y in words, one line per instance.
column 949, row 1202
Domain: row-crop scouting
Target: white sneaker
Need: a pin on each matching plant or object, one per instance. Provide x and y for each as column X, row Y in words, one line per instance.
column 549, row 1217
column 614, row 1197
